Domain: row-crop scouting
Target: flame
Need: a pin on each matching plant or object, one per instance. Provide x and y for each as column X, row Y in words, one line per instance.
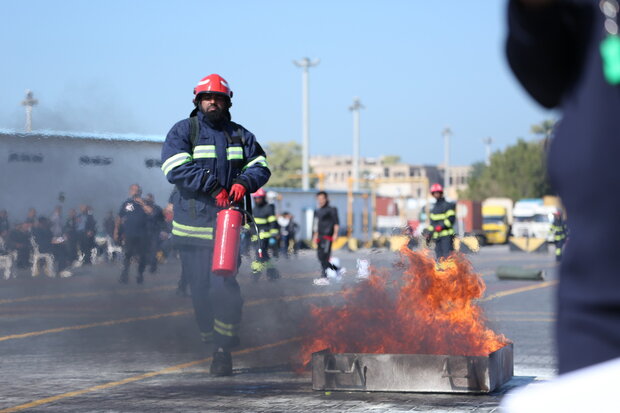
column 431, row 310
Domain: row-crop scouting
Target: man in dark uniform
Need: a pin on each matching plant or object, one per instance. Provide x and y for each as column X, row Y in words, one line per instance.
column 265, row 217
column 155, row 227
column 132, row 231
column 325, row 232
column 441, row 226
column 565, row 58
column 211, row 161
column 86, row 228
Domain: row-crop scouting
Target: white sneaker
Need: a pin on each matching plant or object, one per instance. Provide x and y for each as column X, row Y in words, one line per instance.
column 65, row 274
column 341, row 271
column 321, row 281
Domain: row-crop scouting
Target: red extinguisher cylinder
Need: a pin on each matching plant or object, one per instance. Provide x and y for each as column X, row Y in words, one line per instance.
column 227, row 238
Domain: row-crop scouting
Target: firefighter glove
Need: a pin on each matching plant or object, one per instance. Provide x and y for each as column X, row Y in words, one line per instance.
column 438, row 228
column 221, row 199
column 237, row 192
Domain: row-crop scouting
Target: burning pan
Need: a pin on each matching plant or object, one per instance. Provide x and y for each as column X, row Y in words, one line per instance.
column 412, row 372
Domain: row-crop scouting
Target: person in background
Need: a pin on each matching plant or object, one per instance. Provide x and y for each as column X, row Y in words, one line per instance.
column 86, row 228
column 265, row 219
column 131, row 229
column 325, row 232
column 155, row 226
column 108, row 224
column 4, row 221
column 70, row 234
column 56, row 222
column 288, row 231
column 18, row 240
column 31, row 217
column 441, row 226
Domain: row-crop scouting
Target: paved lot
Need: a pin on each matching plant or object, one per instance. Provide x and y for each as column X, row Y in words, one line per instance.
column 87, row 343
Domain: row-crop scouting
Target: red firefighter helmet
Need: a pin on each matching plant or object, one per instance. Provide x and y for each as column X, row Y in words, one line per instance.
column 213, row 83
column 436, row 188
column 259, row 194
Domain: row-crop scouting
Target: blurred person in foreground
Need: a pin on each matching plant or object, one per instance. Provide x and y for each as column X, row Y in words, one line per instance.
column 212, row 161
column 566, row 54
column 131, row 230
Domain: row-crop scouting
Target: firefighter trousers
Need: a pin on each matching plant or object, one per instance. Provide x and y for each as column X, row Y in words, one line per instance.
column 217, row 300
column 444, row 246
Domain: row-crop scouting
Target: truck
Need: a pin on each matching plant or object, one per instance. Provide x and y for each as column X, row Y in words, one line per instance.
column 533, row 219
column 497, row 219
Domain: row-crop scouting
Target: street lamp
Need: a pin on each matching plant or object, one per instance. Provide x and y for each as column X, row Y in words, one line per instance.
column 446, row 133
column 355, row 108
column 305, row 64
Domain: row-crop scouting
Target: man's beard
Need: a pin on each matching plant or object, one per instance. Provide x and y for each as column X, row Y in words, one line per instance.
column 217, row 115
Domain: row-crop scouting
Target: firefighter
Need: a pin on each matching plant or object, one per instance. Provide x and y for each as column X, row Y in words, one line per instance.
column 441, row 228
column 560, row 232
column 266, row 221
column 213, row 162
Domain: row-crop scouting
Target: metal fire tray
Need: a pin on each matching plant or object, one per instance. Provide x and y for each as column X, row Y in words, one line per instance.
column 422, row 373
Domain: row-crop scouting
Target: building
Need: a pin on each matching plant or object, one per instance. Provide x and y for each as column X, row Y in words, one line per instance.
column 42, row 170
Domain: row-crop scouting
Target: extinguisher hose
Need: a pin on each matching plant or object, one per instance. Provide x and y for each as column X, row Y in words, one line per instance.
column 251, row 218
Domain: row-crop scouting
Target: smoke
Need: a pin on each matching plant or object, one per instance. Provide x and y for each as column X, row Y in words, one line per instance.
column 92, row 107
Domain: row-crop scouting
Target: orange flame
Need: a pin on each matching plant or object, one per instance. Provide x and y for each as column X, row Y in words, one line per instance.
column 430, row 310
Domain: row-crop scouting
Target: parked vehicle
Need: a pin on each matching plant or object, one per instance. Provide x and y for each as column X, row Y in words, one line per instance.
column 497, row 219
column 533, row 219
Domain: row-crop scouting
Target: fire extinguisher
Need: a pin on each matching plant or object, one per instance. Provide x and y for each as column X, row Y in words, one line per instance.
column 227, row 240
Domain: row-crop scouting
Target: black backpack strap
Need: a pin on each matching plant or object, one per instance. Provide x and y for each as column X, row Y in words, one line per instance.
column 194, row 131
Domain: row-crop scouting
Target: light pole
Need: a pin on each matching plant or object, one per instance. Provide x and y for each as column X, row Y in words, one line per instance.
column 355, row 108
column 447, row 133
column 305, row 64
column 487, row 144
column 29, row 102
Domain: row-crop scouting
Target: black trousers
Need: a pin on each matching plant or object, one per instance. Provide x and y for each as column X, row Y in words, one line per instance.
column 444, row 246
column 324, row 252
column 217, row 300
column 86, row 244
column 134, row 246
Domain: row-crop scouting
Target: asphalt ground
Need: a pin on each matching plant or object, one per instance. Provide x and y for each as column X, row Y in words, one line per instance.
column 90, row 344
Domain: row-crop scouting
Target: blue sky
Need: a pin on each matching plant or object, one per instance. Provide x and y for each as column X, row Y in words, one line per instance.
column 130, row 67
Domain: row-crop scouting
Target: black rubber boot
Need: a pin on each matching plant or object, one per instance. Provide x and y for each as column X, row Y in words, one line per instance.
column 221, row 364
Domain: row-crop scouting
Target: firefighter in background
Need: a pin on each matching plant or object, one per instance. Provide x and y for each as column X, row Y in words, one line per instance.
column 441, row 227
column 560, row 232
column 212, row 161
column 265, row 217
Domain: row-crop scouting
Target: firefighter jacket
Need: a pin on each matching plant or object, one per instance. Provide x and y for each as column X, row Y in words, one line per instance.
column 201, row 159
column 265, row 218
column 442, row 218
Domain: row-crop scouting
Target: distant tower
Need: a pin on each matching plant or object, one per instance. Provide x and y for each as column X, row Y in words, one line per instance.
column 29, row 102
column 487, row 144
